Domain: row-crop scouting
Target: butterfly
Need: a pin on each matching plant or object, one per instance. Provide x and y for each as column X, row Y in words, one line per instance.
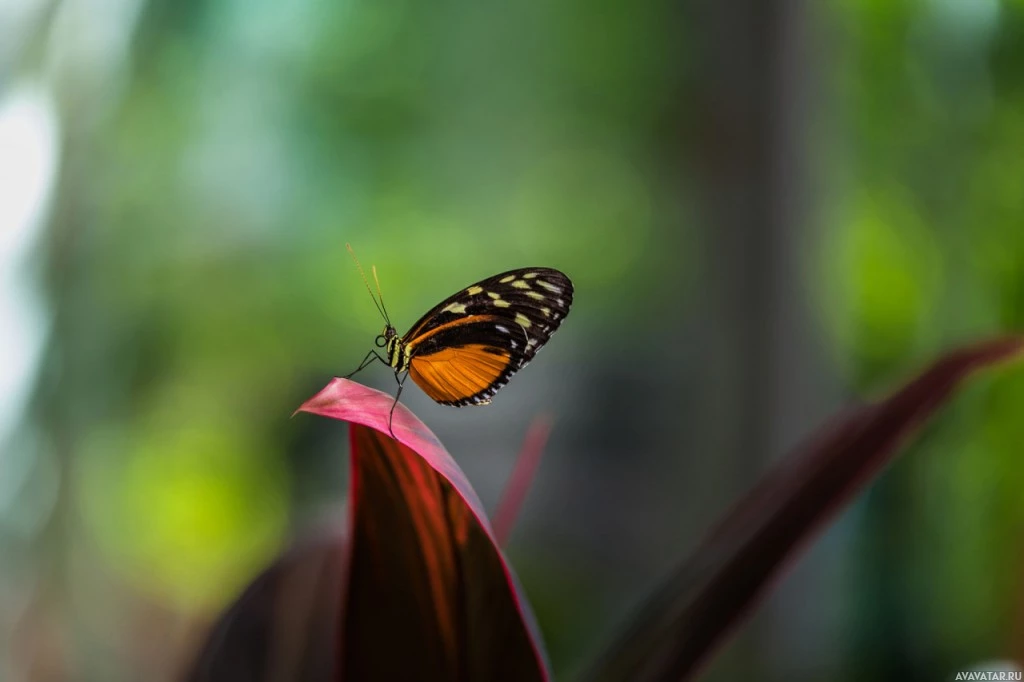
column 467, row 347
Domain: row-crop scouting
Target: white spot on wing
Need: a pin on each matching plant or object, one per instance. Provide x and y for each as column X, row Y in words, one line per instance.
column 549, row 286
column 520, row 284
column 506, row 280
column 457, row 308
column 500, row 328
column 523, row 320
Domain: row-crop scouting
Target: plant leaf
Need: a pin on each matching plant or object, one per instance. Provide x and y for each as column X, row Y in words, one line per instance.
column 429, row 593
column 522, row 476
column 712, row 592
column 284, row 625
column 415, row 589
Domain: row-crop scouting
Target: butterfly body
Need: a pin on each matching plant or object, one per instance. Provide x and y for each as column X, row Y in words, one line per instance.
column 467, row 347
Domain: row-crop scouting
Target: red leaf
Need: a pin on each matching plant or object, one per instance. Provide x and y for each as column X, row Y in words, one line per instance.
column 422, row 591
column 717, row 588
column 521, row 478
column 429, row 594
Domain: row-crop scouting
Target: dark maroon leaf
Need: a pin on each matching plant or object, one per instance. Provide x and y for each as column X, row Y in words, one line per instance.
column 720, row 584
column 421, row 590
column 285, row 624
column 429, row 595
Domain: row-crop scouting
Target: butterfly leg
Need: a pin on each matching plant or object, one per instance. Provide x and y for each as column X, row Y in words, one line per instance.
column 366, row 361
column 401, row 383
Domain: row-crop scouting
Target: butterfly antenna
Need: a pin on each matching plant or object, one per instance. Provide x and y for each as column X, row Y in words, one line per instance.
column 373, row 268
column 362, row 274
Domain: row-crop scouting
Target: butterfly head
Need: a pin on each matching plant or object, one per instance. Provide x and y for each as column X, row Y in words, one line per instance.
column 386, row 336
column 397, row 351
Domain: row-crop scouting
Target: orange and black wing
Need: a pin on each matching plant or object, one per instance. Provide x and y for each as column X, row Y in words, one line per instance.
column 469, row 345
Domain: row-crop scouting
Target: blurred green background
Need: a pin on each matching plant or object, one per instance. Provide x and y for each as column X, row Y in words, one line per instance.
column 769, row 210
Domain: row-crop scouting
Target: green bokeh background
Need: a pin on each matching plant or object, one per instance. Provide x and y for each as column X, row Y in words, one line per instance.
column 184, row 283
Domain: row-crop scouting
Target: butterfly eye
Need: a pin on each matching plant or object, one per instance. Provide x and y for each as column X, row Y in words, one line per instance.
column 381, row 341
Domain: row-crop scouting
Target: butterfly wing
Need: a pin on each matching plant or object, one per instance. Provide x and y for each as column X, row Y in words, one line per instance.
column 469, row 345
